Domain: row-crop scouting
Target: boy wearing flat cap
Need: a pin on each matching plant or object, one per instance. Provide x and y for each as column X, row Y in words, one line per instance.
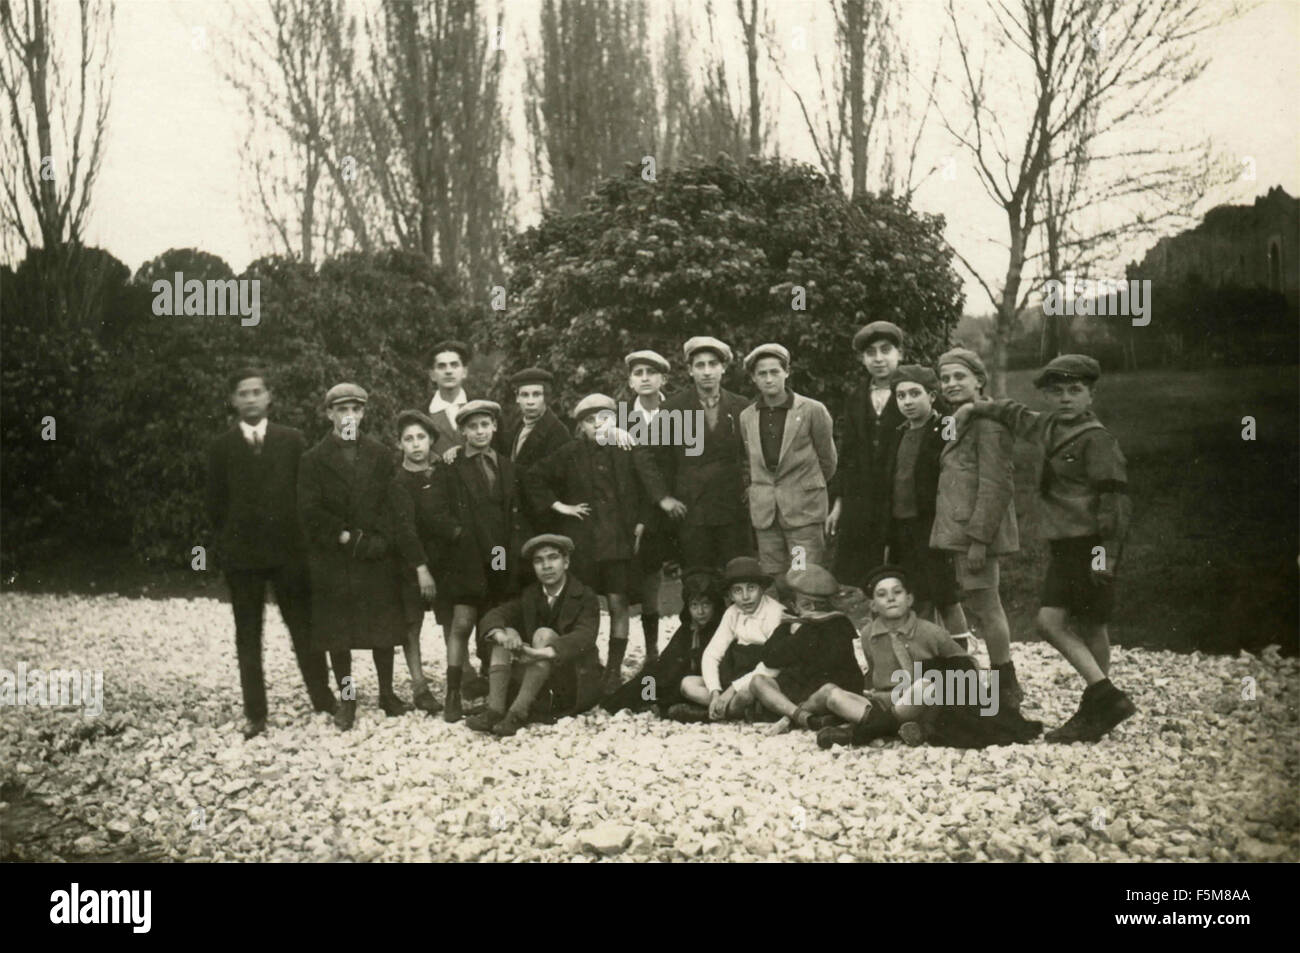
column 704, row 493
column 790, row 444
column 812, row 651
column 253, row 507
column 591, row 483
column 534, row 435
column 645, row 382
column 478, row 515
column 911, row 493
column 345, row 503
column 1084, row 516
column 859, row 516
column 544, row 661
column 975, row 513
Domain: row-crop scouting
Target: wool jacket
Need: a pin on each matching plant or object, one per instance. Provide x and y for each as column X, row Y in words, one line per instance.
column 576, row 675
column 925, row 476
column 976, row 500
column 459, row 496
column 1084, row 487
column 356, row 587
column 712, row 483
column 794, row 494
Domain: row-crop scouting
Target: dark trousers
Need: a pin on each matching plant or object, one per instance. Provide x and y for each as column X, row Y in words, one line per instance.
column 293, row 595
column 715, row 546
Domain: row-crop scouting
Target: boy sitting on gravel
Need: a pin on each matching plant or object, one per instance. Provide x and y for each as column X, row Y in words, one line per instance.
column 544, row 661
column 1084, row 517
column 895, row 640
column 811, row 651
column 735, row 652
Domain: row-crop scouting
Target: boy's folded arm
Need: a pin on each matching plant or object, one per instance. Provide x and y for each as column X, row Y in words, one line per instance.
column 1020, row 420
column 1114, row 509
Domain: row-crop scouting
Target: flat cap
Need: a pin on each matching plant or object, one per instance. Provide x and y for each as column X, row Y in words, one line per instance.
column 419, row 417
column 346, row 391
column 916, row 374
column 460, row 347
column 812, row 581
column 1069, row 367
column 878, row 329
column 562, row 543
column 531, row 375
column 470, row 408
column 593, row 402
column 745, row 569
column 706, row 343
column 653, row 358
column 965, row 356
column 767, row 350
column 886, row 572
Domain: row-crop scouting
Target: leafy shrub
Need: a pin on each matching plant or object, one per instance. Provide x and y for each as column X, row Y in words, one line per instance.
column 719, row 249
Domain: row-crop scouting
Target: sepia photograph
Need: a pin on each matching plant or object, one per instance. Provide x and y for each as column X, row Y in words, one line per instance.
column 651, row 431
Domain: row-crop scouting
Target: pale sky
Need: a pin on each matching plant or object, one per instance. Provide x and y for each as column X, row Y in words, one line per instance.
column 171, row 178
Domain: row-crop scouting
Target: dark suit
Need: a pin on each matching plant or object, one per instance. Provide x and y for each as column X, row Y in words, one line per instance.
column 862, row 483
column 252, row 504
column 547, row 436
column 711, row 485
column 357, row 586
column 576, row 672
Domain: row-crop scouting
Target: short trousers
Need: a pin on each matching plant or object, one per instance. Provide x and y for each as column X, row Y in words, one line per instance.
column 930, row 571
column 986, row 578
column 743, row 687
column 609, row 577
column 1070, row 585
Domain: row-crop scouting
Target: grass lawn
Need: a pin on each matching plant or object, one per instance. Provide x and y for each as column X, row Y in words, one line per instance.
column 1211, row 562
column 1212, row 558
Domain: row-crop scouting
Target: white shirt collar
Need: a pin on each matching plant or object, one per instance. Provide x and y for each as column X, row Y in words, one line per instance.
column 249, row 430
column 550, row 599
column 437, row 405
column 648, row 414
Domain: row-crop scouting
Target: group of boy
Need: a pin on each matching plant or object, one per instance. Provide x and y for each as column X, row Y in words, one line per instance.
column 524, row 526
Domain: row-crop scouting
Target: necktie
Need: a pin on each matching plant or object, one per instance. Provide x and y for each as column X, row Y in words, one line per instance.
column 257, row 443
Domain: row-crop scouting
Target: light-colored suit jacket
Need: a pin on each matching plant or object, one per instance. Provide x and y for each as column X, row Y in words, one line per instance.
column 795, row 492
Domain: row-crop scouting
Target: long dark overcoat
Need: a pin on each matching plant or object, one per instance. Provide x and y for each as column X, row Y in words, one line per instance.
column 356, row 588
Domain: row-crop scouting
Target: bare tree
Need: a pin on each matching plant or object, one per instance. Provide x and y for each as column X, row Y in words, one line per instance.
column 292, row 61
column 1084, row 82
column 863, row 114
column 56, row 102
column 591, row 99
column 431, row 105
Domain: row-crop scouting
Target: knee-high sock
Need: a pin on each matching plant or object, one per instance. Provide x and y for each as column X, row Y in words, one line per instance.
column 384, row 669
column 650, row 626
column 534, row 680
column 498, row 687
column 617, row 647
column 341, row 662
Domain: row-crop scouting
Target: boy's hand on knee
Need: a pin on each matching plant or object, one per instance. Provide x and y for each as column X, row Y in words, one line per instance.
column 718, row 702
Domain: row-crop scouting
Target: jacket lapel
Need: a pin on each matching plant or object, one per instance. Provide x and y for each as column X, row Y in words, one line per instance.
column 792, row 418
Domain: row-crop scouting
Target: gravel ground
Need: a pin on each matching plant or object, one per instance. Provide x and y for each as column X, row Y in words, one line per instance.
column 1200, row 773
